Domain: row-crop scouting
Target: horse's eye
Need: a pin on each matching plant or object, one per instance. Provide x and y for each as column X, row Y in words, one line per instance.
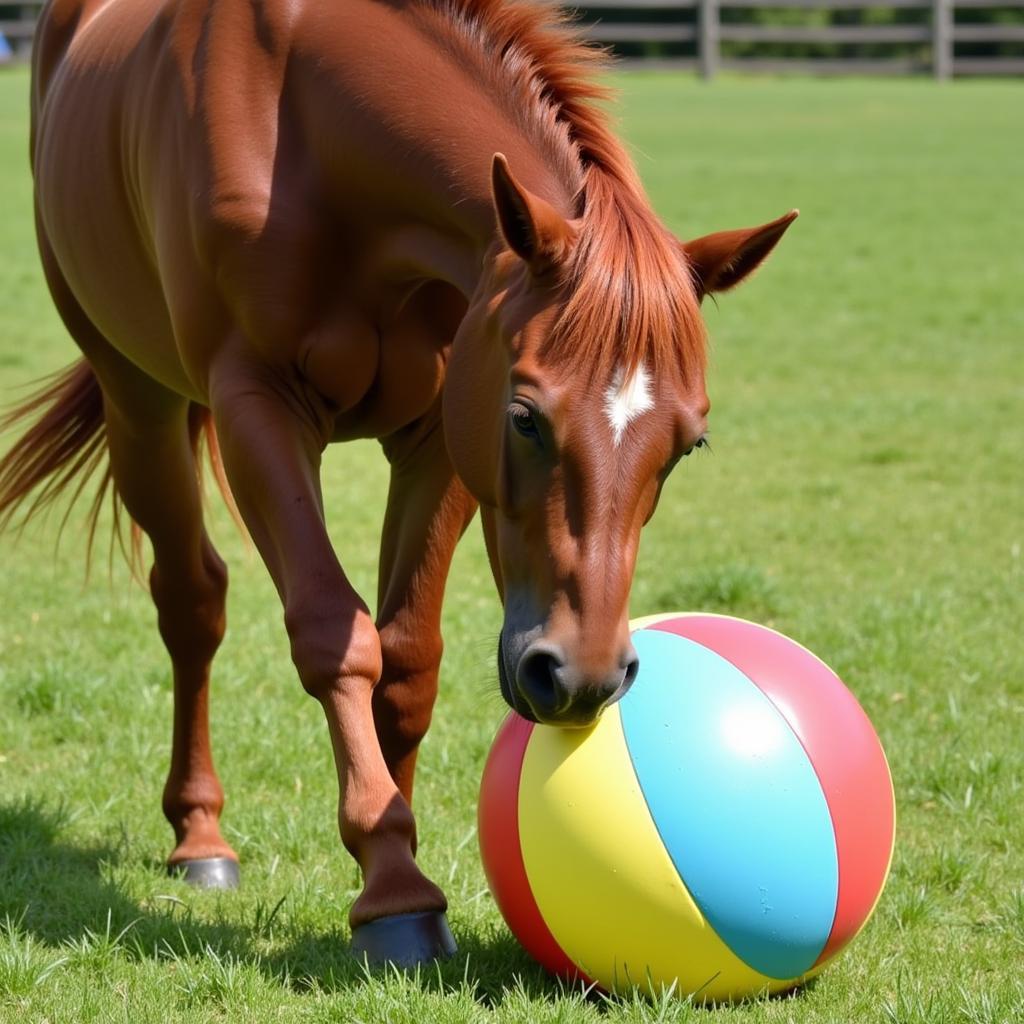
column 702, row 442
column 524, row 422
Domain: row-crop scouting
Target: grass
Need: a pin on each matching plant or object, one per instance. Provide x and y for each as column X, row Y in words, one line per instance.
column 864, row 496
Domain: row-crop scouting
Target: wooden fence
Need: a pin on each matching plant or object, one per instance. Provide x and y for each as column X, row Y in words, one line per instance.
column 709, row 36
column 18, row 24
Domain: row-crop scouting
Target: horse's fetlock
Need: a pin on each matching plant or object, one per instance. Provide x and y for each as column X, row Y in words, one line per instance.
column 365, row 825
column 197, row 798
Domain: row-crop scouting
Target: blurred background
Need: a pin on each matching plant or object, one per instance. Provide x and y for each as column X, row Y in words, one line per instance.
column 822, row 37
column 840, row 37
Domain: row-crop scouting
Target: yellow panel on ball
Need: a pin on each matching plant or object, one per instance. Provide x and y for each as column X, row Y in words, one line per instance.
column 608, row 891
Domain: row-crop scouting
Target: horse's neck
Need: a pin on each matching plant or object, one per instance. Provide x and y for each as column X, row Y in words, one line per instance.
column 414, row 139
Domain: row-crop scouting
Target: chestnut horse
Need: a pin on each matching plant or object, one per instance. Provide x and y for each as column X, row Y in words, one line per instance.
column 282, row 223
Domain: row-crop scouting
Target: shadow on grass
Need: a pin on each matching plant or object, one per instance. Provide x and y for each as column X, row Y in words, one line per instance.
column 58, row 893
column 487, row 968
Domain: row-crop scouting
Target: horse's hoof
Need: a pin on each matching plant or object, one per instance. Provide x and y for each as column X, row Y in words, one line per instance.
column 405, row 940
column 207, row 872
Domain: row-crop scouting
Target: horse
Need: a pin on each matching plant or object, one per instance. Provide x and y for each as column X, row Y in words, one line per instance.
column 278, row 224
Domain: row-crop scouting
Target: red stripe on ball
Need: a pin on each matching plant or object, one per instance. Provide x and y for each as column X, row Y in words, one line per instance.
column 853, row 773
column 501, row 850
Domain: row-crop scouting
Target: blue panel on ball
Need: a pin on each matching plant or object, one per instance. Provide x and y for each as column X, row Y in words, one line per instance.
column 736, row 802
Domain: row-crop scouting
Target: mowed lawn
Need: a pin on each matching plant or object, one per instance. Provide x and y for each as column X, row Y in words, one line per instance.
column 865, row 495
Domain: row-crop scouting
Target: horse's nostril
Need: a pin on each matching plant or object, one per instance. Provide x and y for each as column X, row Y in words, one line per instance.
column 632, row 668
column 625, row 679
column 559, row 692
column 539, row 682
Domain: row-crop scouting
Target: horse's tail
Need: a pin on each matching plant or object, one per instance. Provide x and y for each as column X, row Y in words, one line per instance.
column 202, row 430
column 66, row 442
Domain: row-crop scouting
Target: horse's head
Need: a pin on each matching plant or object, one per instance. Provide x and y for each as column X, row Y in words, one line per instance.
column 576, row 383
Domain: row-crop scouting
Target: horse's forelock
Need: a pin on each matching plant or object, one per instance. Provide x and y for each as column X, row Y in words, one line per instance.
column 631, row 302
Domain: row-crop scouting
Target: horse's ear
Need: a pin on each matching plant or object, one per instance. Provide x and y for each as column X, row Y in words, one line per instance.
column 534, row 230
column 720, row 261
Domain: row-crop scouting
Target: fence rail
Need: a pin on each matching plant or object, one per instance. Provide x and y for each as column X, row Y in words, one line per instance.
column 734, row 35
column 694, row 31
column 18, row 25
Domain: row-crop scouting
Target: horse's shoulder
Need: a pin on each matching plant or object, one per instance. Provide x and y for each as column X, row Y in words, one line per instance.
column 232, row 58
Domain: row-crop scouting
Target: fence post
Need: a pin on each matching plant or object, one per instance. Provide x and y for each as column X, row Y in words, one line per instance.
column 708, row 42
column 942, row 39
column 22, row 46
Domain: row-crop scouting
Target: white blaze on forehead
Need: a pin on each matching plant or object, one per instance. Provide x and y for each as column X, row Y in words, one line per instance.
column 625, row 400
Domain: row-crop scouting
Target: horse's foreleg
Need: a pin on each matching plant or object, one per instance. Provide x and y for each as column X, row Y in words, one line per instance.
column 154, row 468
column 271, row 452
column 428, row 510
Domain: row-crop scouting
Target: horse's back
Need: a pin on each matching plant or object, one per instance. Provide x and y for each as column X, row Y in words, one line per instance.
column 88, row 36
column 123, row 156
column 211, row 169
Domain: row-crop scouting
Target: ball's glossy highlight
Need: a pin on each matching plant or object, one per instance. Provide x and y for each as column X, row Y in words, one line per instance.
column 727, row 827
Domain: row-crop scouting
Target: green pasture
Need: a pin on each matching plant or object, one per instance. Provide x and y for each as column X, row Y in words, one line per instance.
column 865, row 495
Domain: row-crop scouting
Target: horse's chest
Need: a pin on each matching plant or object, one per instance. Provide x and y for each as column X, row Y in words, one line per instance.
column 411, row 352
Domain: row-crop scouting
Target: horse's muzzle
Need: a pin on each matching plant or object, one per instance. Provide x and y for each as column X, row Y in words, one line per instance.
column 549, row 689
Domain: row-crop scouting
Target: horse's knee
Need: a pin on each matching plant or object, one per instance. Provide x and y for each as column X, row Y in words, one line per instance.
column 190, row 606
column 334, row 653
column 408, row 651
column 403, row 702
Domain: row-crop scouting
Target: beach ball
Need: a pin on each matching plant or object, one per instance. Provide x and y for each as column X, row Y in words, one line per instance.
column 726, row 828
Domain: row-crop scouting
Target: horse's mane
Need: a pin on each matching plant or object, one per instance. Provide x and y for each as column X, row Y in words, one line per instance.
column 632, row 300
